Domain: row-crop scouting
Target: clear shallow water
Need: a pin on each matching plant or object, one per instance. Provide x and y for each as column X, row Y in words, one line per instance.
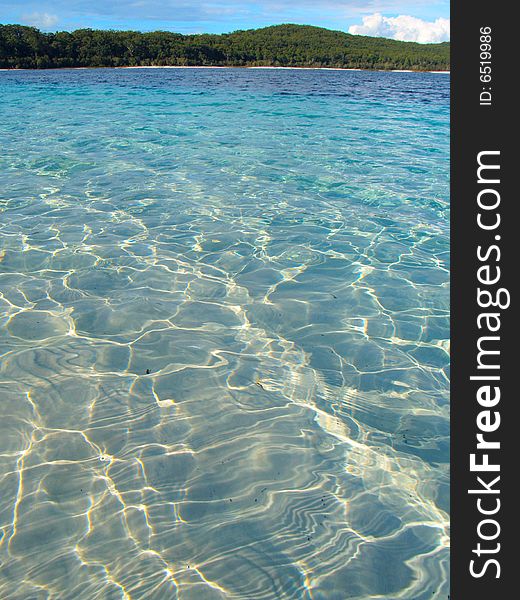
column 224, row 335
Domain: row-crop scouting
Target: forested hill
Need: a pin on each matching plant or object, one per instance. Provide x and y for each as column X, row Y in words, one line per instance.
column 280, row 45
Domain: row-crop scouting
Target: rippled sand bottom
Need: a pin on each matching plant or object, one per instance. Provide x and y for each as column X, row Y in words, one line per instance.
column 224, row 357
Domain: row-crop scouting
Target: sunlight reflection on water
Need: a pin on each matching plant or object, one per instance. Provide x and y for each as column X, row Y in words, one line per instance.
column 225, row 335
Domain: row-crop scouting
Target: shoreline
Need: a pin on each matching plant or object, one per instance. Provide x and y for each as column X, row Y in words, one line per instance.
column 235, row 67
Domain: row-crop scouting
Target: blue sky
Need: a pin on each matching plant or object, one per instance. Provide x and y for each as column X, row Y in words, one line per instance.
column 426, row 18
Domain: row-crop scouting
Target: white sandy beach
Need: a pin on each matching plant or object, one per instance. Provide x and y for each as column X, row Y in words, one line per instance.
column 271, row 68
column 230, row 67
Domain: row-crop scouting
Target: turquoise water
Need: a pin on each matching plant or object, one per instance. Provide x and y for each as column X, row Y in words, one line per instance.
column 224, row 335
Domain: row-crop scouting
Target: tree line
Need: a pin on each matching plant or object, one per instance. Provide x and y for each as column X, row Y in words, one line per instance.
column 24, row 47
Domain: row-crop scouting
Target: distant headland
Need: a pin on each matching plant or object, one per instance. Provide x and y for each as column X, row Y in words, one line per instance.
column 24, row 47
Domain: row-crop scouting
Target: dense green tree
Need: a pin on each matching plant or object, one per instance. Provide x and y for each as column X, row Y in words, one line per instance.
column 280, row 45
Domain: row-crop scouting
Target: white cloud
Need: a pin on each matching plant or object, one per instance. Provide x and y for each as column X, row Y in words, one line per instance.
column 41, row 20
column 404, row 27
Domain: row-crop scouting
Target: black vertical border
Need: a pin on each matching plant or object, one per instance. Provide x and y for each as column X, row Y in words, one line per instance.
column 476, row 128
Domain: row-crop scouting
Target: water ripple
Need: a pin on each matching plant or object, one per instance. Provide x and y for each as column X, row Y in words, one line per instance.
column 225, row 335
